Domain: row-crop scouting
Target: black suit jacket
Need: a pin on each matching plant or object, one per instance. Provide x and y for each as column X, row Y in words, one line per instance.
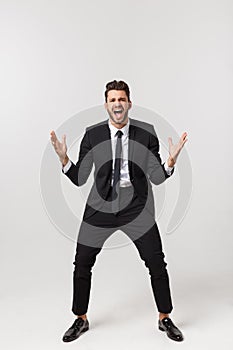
column 144, row 161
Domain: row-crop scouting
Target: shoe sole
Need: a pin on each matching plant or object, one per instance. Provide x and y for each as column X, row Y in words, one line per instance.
column 72, row 339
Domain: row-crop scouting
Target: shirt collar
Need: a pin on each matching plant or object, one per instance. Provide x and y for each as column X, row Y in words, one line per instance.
column 114, row 130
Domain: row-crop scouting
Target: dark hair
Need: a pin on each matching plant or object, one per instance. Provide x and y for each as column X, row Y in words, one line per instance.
column 117, row 85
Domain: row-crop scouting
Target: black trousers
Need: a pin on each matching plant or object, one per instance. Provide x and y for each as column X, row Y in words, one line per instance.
column 140, row 226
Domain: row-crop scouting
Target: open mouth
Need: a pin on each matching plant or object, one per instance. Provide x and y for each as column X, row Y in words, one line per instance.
column 118, row 111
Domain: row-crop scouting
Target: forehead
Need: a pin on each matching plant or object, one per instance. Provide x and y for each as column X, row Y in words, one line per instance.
column 116, row 94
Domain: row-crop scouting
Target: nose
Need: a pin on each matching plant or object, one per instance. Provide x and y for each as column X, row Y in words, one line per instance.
column 118, row 105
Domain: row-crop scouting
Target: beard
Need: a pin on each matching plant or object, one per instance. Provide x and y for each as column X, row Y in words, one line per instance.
column 120, row 119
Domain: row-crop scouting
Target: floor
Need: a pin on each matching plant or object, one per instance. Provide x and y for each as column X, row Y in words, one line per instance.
column 121, row 317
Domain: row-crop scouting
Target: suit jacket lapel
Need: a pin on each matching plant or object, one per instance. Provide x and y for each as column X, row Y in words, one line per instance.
column 131, row 146
column 107, row 137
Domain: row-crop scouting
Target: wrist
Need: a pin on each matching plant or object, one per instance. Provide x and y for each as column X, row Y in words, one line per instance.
column 170, row 162
column 65, row 160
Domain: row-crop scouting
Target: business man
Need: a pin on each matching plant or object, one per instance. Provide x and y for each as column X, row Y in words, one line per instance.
column 125, row 153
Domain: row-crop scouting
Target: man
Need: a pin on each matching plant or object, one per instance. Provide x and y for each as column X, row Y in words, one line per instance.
column 125, row 153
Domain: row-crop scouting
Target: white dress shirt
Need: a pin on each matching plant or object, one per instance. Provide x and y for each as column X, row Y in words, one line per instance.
column 124, row 171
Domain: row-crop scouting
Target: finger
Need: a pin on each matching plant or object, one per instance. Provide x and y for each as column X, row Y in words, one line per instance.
column 170, row 141
column 183, row 142
column 52, row 133
column 53, row 137
column 64, row 139
column 184, row 135
column 53, row 140
column 53, row 143
column 183, row 138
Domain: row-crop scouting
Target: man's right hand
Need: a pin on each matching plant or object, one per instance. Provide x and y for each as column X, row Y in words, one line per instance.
column 60, row 147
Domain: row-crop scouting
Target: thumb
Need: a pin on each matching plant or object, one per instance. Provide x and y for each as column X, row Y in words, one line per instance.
column 64, row 138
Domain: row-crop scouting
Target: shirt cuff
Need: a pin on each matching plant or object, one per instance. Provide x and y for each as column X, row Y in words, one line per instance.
column 167, row 168
column 67, row 166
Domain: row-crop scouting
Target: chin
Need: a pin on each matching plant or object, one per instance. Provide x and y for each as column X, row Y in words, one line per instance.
column 120, row 121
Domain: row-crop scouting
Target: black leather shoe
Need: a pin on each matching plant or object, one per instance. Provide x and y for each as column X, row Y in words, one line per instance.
column 78, row 327
column 172, row 331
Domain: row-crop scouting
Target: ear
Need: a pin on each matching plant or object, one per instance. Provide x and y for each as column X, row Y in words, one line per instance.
column 105, row 105
column 130, row 105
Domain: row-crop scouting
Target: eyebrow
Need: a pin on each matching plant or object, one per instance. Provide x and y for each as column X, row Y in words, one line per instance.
column 120, row 98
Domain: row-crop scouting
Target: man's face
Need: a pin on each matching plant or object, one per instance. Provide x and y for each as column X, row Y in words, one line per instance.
column 117, row 106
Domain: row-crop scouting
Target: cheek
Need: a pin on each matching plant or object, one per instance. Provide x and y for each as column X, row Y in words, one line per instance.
column 109, row 107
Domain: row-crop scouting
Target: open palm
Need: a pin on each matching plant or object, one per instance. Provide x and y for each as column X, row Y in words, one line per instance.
column 60, row 147
column 174, row 150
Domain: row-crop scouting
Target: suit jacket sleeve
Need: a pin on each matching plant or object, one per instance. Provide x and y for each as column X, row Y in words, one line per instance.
column 155, row 169
column 78, row 173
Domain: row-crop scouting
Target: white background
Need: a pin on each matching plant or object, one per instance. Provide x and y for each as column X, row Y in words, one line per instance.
column 56, row 57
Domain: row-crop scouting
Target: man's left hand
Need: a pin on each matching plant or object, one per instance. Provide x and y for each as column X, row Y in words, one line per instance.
column 174, row 150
